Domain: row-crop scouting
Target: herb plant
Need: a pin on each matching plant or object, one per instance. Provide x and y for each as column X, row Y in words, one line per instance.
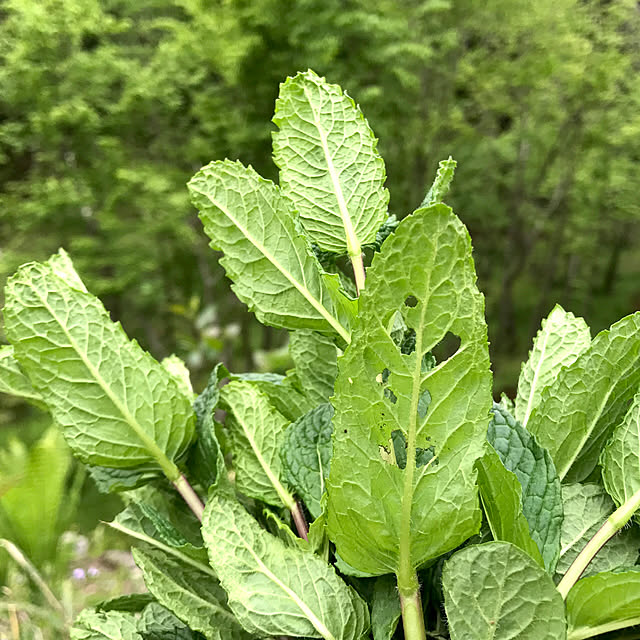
column 427, row 502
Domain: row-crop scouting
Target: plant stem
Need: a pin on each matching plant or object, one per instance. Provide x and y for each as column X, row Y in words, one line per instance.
column 358, row 270
column 412, row 617
column 612, row 525
column 299, row 519
column 190, row 496
column 33, row 573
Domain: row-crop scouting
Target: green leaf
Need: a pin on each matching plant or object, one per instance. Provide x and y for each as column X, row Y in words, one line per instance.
column 603, row 603
column 586, row 507
column 495, row 591
column 315, row 358
column 306, row 455
column 257, row 432
column 442, row 182
column 132, row 602
column 158, row 623
column 536, row 473
column 274, row 589
column 105, row 625
column 577, row 413
column 562, row 338
column 266, row 255
column 118, row 406
column 501, row 494
column 424, row 273
column 115, row 480
column 329, row 164
column 283, row 391
column 145, row 519
column 60, row 263
column 206, row 461
column 385, row 608
column 14, row 382
column 191, row 595
column 620, row 459
column 178, row 369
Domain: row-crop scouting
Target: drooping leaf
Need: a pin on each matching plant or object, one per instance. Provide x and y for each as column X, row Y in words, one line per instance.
column 105, row 625
column 115, row 480
column 495, row 591
column 442, row 182
column 14, row 382
column 586, row 507
column 306, row 455
column 604, row 602
column 562, row 338
column 284, row 392
column 315, row 358
column 118, row 406
column 194, row 597
column 257, row 432
column 131, row 602
column 536, row 473
column 158, row 623
column 620, row 459
column 274, row 589
column 577, row 413
column 206, row 461
column 265, row 253
column 329, row 164
column 61, row 264
column 501, row 494
column 385, row 608
column 424, row 272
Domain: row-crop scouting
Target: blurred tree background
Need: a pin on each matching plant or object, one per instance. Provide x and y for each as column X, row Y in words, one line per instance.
column 107, row 107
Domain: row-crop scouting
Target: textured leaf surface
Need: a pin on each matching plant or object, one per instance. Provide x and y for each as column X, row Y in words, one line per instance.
column 442, row 182
column 386, row 390
column 577, row 413
column 501, row 494
column 274, row 589
column 586, row 507
column 604, row 602
column 117, row 405
column 562, row 338
column 195, row 597
column 329, row 164
column 114, row 480
column 385, row 608
column 620, row 459
column 257, row 432
column 265, row 253
column 178, row 369
column 495, row 591
column 158, row 623
column 60, row 263
column 109, row 625
column 536, row 473
column 306, row 455
column 315, row 358
column 14, row 382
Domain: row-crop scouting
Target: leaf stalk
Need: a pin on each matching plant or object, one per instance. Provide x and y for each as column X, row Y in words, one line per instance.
column 358, row 270
column 612, row 525
column 190, row 496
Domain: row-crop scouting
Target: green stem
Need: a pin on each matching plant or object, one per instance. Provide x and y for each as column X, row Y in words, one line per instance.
column 412, row 617
column 612, row 525
column 190, row 496
column 358, row 270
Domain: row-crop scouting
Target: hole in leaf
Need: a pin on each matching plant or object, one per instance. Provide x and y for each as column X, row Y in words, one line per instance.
column 399, row 443
column 411, row 301
column 425, row 456
column 423, row 404
column 428, row 362
column 392, row 396
column 408, row 343
column 446, row 348
column 396, row 452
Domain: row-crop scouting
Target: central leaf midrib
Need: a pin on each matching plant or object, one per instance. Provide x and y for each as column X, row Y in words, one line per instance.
column 315, row 303
column 169, row 468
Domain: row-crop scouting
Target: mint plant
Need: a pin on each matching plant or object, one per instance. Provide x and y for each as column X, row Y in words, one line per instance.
column 376, row 481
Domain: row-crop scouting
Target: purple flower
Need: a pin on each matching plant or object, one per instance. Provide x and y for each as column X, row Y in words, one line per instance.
column 78, row 573
column 92, row 572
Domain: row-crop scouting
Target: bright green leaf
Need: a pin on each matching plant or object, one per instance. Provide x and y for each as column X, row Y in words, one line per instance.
column 442, row 182
column 620, row 459
column 265, row 253
column 110, row 480
column 158, row 623
column 306, row 454
column 501, row 494
column 603, row 603
column 315, row 358
column 329, row 164
column 60, row 263
column 14, row 382
column 495, row 591
column 105, row 625
column 536, row 473
column 274, row 589
column 193, row 596
column 117, row 405
column 257, row 432
column 586, row 507
column 424, row 273
column 577, row 413
column 178, row 369
column 562, row 338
